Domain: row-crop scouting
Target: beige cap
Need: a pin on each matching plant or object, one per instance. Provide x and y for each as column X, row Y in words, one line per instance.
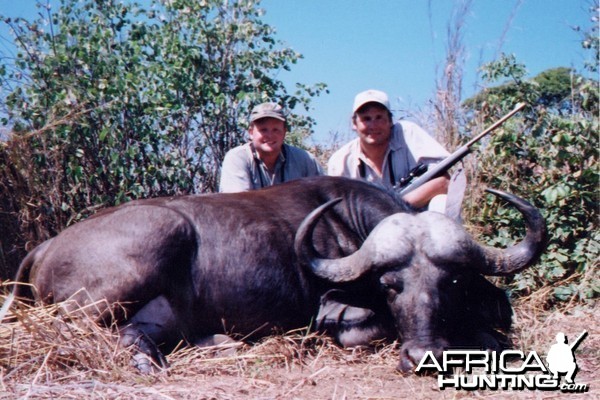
column 371, row 96
column 267, row 110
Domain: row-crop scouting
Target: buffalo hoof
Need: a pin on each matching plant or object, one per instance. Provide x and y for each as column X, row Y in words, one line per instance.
column 147, row 357
column 222, row 345
column 146, row 365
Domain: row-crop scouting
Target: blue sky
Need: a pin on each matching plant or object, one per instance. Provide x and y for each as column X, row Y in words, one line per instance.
column 399, row 45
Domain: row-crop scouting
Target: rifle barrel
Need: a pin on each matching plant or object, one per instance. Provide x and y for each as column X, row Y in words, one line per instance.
column 578, row 340
column 496, row 124
column 457, row 155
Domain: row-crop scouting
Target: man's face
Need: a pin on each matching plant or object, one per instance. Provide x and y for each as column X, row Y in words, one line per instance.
column 373, row 124
column 267, row 135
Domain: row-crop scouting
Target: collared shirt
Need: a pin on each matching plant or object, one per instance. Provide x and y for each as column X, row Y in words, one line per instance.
column 243, row 170
column 409, row 145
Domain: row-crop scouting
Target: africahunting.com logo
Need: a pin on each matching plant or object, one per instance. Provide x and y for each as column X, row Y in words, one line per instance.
column 509, row 369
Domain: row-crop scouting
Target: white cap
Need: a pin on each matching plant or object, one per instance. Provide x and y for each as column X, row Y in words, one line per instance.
column 371, row 96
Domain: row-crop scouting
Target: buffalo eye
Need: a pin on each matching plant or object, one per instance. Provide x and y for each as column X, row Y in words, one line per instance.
column 454, row 280
column 455, row 283
column 396, row 286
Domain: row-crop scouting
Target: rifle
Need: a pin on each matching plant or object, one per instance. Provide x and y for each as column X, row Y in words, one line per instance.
column 574, row 345
column 439, row 169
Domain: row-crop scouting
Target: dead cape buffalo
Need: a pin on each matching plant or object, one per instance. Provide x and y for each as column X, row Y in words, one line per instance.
column 346, row 256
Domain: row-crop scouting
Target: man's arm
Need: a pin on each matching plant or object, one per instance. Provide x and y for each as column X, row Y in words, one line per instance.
column 235, row 172
column 421, row 196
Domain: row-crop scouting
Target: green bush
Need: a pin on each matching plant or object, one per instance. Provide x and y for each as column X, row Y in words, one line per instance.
column 108, row 101
column 548, row 155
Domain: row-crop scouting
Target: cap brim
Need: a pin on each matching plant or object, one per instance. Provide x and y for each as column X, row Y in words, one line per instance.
column 267, row 115
column 361, row 105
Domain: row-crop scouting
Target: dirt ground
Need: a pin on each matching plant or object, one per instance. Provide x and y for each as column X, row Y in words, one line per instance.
column 297, row 367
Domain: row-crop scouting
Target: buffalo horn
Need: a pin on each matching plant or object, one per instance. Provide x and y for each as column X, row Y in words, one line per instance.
column 343, row 269
column 498, row 262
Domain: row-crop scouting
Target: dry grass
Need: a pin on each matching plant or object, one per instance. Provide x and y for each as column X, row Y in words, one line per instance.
column 45, row 356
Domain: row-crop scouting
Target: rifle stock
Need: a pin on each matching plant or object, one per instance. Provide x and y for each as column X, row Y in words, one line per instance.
column 448, row 162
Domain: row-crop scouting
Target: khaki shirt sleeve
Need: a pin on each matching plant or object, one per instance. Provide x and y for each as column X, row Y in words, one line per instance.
column 235, row 172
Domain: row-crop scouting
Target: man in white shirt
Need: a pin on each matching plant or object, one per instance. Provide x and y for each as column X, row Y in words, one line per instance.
column 385, row 152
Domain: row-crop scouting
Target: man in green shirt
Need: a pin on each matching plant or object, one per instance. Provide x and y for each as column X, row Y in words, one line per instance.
column 265, row 160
